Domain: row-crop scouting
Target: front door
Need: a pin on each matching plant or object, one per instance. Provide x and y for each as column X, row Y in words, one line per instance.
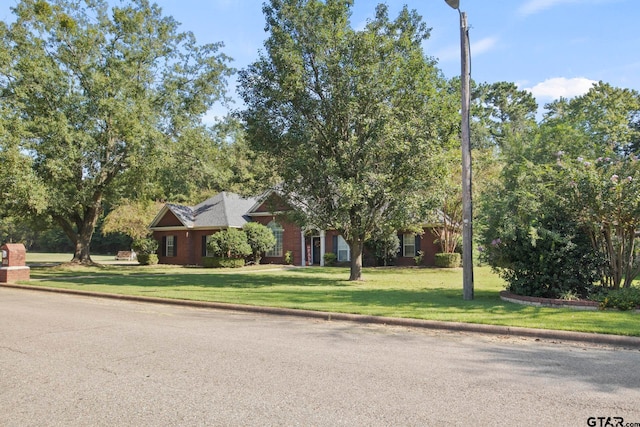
column 315, row 250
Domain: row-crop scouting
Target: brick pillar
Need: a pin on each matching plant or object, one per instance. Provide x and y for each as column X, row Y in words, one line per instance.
column 14, row 263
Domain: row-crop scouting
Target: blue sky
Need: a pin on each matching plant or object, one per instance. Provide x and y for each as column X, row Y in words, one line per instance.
column 551, row 47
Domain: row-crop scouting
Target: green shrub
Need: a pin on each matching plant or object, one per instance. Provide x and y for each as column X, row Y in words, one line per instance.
column 220, row 262
column 288, row 258
column 384, row 245
column 147, row 259
column 145, row 246
column 622, row 299
column 260, row 238
column 448, row 260
column 418, row 258
column 230, row 243
column 330, row 259
column 548, row 257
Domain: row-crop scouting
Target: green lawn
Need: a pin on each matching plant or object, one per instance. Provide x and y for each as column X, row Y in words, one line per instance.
column 55, row 258
column 434, row 294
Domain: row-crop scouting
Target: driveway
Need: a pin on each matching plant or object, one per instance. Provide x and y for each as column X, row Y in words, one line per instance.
column 70, row 360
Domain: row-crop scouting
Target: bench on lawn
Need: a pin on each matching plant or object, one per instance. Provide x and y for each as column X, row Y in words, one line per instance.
column 125, row 256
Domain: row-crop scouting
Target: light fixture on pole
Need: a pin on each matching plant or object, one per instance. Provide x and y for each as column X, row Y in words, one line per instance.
column 467, row 206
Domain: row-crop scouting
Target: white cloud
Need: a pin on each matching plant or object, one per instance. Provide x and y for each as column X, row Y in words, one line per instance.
column 452, row 52
column 535, row 6
column 484, row 45
column 557, row 87
column 449, row 53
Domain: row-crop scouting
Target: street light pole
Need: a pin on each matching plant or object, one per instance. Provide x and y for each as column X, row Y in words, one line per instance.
column 467, row 204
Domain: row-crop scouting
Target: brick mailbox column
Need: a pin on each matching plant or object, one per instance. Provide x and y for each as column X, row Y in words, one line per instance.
column 14, row 262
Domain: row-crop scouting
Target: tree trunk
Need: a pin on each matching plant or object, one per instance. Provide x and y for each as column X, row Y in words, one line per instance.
column 356, row 259
column 82, row 252
column 82, row 233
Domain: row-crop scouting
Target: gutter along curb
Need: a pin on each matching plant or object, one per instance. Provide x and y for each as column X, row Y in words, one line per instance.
column 547, row 334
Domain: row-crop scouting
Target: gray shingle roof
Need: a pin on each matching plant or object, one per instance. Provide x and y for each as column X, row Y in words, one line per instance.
column 220, row 211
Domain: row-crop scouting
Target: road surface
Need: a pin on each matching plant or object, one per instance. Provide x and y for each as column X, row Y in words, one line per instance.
column 80, row 361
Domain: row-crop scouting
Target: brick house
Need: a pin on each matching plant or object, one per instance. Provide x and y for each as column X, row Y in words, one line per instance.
column 182, row 232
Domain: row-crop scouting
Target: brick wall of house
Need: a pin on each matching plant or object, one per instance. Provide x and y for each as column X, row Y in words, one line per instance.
column 184, row 251
column 428, row 248
column 169, row 220
column 290, row 239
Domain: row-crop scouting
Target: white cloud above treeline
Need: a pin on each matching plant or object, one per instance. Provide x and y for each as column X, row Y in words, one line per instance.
column 557, row 87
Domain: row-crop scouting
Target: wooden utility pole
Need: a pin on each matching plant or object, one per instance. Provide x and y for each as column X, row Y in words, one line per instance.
column 467, row 204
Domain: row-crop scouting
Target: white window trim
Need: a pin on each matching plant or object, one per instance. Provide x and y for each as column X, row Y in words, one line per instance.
column 343, row 248
column 408, row 240
column 170, row 242
column 207, row 240
column 278, row 233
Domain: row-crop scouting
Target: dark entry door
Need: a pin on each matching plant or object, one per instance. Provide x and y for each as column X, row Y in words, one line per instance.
column 315, row 250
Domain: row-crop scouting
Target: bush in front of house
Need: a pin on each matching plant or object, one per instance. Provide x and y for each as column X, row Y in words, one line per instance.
column 147, row 259
column 448, row 260
column 384, row 245
column 259, row 238
column 220, row 262
column 145, row 250
column 230, row 243
column 330, row 259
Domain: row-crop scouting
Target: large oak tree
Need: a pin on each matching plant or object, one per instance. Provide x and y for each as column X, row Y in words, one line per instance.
column 351, row 118
column 91, row 96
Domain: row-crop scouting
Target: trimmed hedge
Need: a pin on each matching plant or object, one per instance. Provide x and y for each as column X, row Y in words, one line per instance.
column 147, row 259
column 218, row 262
column 622, row 299
column 448, row 260
column 330, row 259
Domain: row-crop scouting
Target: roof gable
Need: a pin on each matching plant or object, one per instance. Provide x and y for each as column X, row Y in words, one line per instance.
column 270, row 202
column 168, row 219
column 223, row 210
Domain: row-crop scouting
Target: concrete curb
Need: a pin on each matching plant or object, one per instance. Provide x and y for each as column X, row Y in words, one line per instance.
column 582, row 337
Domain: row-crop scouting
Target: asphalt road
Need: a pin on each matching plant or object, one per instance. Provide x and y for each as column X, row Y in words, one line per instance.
column 79, row 361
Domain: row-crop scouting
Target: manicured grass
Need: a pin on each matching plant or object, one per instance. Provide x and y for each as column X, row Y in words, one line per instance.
column 57, row 258
column 434, row 294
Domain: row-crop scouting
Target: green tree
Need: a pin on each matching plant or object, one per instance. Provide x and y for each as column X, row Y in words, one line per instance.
column 131, row 218
column 567, row 205
column 259, row 238
column 501, row 111
column 92, row 95
column 603, row 122
column 230, row 243
column 528, row 233
column 604, row 194
column 350, row 118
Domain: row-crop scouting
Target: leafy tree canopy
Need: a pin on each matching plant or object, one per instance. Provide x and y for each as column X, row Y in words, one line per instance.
column 91, row 97
column 350, row 118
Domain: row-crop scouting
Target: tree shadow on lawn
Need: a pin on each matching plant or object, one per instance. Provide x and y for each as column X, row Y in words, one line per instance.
column 222, row 280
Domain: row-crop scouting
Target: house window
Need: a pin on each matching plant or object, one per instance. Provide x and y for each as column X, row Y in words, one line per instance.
column 344, row 253
column 277, row 231
column 205, row 246
column 170, row 249
column 409, row 245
